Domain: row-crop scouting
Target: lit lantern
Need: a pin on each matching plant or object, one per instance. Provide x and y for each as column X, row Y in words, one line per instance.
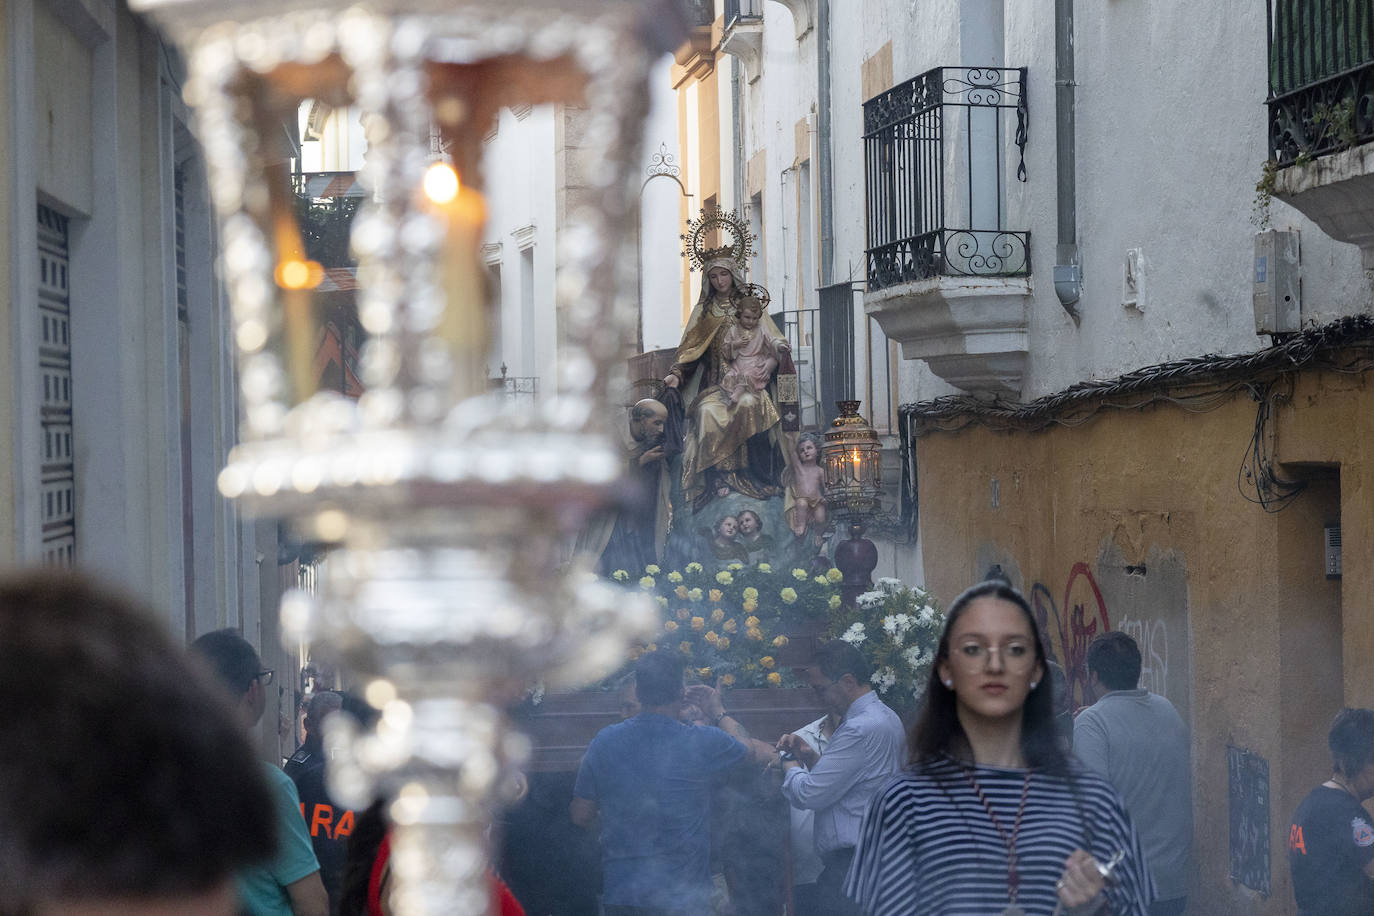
column 852, row 455
column 445, row 508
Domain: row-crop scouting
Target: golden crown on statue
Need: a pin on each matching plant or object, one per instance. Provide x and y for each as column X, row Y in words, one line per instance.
column 714, row 220
column 444, row 509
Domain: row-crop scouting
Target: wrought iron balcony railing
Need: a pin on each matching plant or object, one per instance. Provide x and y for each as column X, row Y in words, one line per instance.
column 924, row 219
column 1321, row 77
column 746, row 10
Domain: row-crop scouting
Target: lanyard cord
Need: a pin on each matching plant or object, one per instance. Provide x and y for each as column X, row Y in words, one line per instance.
column 1013, row 877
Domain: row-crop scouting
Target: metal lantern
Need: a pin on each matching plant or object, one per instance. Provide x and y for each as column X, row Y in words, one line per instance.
column 446, row 509
column 853, row 490
column 853, row 472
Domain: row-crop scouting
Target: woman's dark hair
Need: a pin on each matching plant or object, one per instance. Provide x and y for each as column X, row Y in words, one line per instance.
column 1351, row 741
column 938, row 733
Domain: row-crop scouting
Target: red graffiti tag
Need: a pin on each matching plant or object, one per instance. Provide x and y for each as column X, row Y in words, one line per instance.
column 1085, row 616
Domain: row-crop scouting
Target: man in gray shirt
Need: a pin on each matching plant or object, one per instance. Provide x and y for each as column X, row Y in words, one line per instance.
column 866, row 749
column 1138, row 741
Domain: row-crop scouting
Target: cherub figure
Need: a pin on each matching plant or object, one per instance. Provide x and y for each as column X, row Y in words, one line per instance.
column 751, row 535
column 723, row 543
column 805, row 499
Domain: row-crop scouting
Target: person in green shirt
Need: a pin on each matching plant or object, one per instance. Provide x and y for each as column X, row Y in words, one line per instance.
column 287, row 884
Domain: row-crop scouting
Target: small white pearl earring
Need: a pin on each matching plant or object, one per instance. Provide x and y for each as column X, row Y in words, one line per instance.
column 1033, row 683
column 949, row 684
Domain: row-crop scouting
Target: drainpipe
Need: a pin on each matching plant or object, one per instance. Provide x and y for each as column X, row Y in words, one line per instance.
column 737, row 125
column 824, row 160
column 1068, row 277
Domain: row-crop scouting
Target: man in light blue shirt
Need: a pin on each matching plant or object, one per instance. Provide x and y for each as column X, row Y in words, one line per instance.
column 1138, row 741
column 866, row 749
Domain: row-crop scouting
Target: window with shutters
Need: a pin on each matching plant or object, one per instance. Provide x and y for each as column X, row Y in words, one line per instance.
column 58, row 469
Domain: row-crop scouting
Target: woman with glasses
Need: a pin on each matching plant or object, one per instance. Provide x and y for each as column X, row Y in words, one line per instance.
column 994, row 815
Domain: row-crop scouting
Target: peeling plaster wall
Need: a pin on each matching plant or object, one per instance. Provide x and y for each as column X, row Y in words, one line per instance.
column 1134, row 521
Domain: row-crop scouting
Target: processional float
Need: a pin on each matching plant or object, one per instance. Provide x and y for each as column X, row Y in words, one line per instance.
column 446, row 508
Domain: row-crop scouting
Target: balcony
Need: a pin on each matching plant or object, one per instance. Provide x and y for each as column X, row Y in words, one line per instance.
column 947, row 278
column 1321, row 114
column 742, row 34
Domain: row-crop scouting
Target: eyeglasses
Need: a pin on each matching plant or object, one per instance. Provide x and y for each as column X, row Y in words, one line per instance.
column 265, row 676
column 1013, row 656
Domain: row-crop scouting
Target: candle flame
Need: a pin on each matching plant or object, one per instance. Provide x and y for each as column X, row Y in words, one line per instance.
column 441, row 183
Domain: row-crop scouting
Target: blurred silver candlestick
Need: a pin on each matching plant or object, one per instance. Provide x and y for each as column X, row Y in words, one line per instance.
column 445, row 509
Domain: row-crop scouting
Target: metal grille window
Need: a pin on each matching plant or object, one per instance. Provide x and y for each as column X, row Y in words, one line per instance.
column 936, row 154
column 736, row 10
column 1321, row 77
column 58, row 469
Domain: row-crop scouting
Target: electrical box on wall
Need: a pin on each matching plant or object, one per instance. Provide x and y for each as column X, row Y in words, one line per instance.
column 1331, row 537
column 1278, row 282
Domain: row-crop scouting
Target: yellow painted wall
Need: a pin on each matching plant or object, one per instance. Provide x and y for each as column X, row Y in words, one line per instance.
column 1239, row 625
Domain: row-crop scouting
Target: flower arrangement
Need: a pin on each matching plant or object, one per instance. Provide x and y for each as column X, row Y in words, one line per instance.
column 898, row 630
column 730, row 624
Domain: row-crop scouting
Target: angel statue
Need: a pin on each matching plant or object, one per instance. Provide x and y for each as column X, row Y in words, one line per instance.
column 729, row 369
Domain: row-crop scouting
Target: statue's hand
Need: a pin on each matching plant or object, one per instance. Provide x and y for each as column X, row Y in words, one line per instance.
column 651, row 455
column 671, row 381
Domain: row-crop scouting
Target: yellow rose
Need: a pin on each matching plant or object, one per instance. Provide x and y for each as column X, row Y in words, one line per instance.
column 683, row 613
column 834, row 575
column 727, row 680
column 670, row 626
column 636, row 652
column 681, row 592
column 646, row 583
column 715, row 595
column 662, row 602
column 686, row 647
column 799, row 575
column 698, row 623
column 711, row 636
column 751, row 594
column 620, row 575
column 694, row 567
column 774, row 678
column 834, row 602
column 724, row 577
column 652, row 569
column 723, row 642
column 717, row 615
column 767, row 662
column 788, row 595
column 735, row 566
column 821, row 580
column 750, row 607
column 730, row 625
column 675, row 576
column 652, row 647
column 764, row 568
column 754, row 633
column 704, row 673
column 695, row 594
column 751, row 622
column 779, row 642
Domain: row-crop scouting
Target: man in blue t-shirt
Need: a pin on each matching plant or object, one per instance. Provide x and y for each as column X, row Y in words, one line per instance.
column 650, row 780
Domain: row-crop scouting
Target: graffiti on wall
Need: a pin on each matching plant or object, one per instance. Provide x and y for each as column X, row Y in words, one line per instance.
column 1248, row 787
column 1069, row 627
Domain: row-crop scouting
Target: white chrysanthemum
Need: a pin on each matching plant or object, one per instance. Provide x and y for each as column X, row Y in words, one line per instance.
column 855, row 634
column 927, row 614
column 889, row 585
column 883, row 679
column 869, row 600
column 889, row 625
column 914, row 656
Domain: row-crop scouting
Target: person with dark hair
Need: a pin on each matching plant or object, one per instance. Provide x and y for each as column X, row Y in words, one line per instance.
column 650, row 780
column 288, row 884
column 127, row 787
column 1330, row 839
column 861, row 755
column 330, row 824
column 1138, row 741
column 994, row 815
